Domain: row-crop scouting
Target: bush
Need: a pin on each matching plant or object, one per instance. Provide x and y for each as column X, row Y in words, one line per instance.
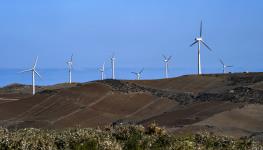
column 116, row 138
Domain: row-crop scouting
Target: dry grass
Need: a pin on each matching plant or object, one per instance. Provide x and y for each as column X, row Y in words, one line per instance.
column 119, row 137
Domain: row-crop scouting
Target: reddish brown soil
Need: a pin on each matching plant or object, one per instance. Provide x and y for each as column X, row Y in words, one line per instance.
column 184, row 104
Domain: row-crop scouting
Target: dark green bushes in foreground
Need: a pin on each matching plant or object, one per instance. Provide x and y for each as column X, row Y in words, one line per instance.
column 120, row 137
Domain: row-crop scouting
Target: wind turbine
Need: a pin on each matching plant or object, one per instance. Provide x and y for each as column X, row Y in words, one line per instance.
column 102, row 69
column 113, row 66
column 138, row 74
column 33, row 70
column 166, row 61
column 70, row 63
column 224, row 66
column 200, row 40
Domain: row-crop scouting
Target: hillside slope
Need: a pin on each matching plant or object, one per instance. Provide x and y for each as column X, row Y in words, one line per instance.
column 218, row 103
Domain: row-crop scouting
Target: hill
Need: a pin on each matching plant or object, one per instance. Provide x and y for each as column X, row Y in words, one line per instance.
column 221, row 103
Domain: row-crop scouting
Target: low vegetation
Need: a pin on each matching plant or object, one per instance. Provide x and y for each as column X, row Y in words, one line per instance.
column 133, row 137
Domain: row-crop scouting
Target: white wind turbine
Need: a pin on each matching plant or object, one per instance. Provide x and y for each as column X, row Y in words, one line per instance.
column 224, row 66
column 166, row 61
column 70, row 63
column 200, row 40
column 102, row 69
column 138, row 74
column 33, row 70
column 113, row 66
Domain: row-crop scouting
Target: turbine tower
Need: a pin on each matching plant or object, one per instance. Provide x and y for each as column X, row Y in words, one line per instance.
column 102, row 69
column 138, row 74
column 33, row 70
column 224, row 66
column 70, row 63
column 113, row 66
column 166, row 61
column 200, row 40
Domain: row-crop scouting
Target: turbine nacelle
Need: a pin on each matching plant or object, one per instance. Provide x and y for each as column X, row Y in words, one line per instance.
column 70, row 63
column 199, row 39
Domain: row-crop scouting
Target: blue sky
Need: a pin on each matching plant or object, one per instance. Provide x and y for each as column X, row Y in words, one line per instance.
column 137, row 31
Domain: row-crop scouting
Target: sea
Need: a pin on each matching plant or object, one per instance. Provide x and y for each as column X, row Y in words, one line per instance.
column 55, row 76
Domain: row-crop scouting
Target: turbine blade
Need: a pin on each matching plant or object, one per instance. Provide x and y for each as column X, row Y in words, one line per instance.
column 35, row 64
column 221, row 61
column 134, row 73
column 193, row 43
column 164, row 57
column 206, row 45
column 169, row 58
column 201, row 28
column 71, row 58
column 141, row 70
column 229, row 66
column 27, row 70
column 37, row 73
